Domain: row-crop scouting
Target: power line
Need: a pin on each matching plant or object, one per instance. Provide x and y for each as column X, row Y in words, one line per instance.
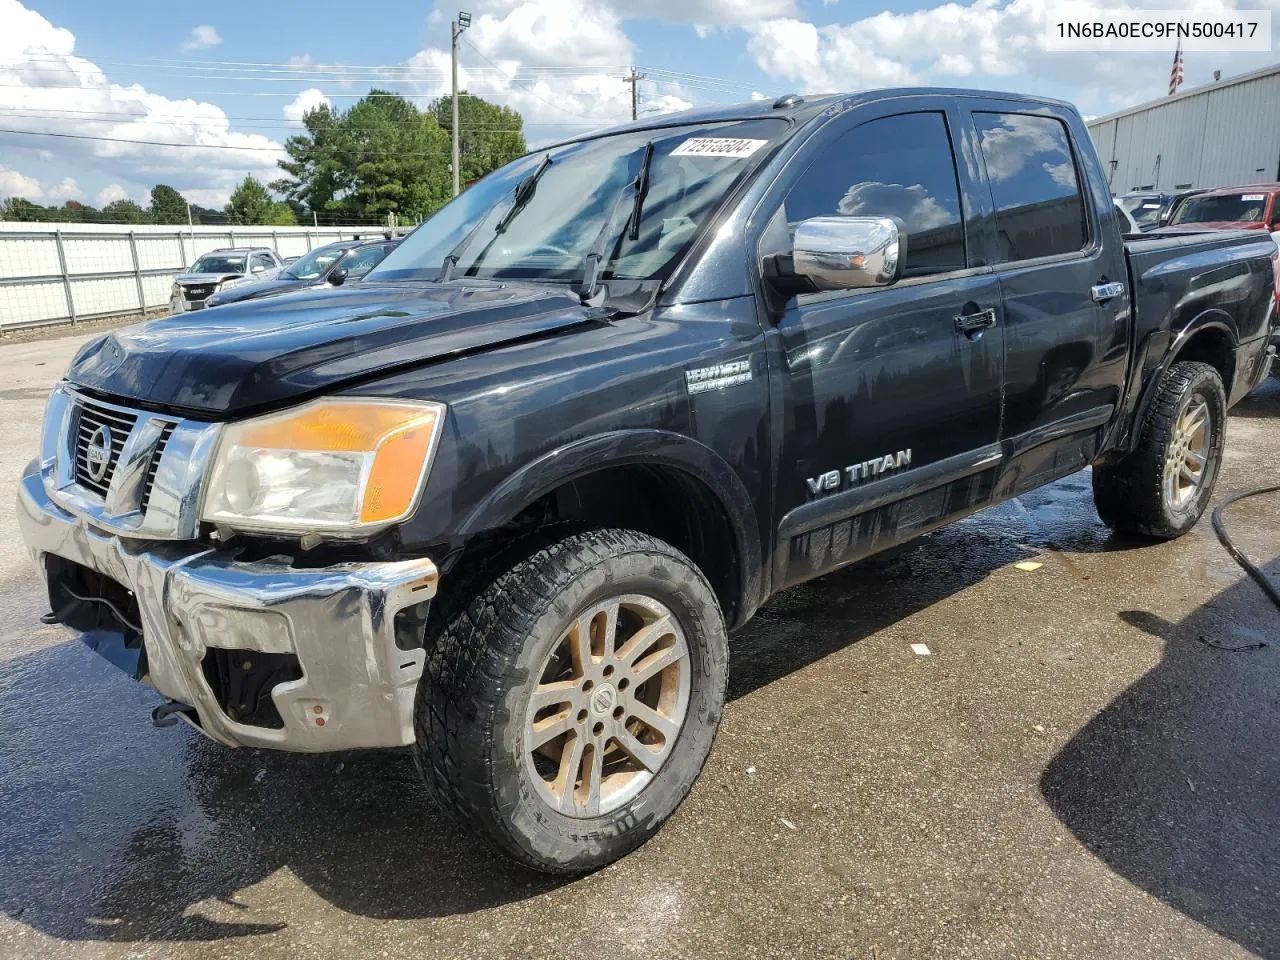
column 206, row 146
column 529, row 90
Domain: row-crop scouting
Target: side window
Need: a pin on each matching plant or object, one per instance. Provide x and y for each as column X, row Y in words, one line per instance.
column 259, row 262
column 892, row 167
column 361, row 261
column 1039, row 209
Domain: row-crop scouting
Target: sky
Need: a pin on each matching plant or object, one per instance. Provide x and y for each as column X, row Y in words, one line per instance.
column 100, row 101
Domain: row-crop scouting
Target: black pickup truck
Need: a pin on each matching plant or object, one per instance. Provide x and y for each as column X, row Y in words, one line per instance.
column 504, row 500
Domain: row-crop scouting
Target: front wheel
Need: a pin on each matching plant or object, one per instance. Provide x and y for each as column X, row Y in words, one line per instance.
column 571, row 696
column 1163, row 487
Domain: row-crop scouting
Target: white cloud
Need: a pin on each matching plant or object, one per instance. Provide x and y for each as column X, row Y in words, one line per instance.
column 15, row 184
column 201, row 38
column 64, row 189
column 303, row 103
column 46, row 88
column 1001, row 42
column 110, row 194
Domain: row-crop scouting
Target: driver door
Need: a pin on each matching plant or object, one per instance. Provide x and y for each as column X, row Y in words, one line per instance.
column 892, row 394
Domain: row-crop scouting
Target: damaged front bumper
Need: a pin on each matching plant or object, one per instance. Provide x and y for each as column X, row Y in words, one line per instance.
column 266, row 653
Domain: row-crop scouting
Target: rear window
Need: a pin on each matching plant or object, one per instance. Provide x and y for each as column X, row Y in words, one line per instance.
column 1039, row 209
column 1222, row 208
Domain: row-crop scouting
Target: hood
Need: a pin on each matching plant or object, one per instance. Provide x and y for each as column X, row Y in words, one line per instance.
column 199, row 279
column 260, row 354
column 261, row 288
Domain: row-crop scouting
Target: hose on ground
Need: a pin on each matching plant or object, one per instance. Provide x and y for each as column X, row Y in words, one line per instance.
column 1246, row 564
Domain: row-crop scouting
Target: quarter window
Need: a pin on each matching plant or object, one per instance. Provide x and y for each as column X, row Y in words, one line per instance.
column 900, row 167
column 1039, row 209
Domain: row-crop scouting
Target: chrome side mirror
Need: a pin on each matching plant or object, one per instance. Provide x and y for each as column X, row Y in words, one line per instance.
column 842, row 253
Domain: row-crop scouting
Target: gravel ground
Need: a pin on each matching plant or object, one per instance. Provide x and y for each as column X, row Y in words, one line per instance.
column 1081, row 767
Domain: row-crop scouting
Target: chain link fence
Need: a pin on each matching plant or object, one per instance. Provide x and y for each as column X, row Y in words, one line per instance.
column 52, row 275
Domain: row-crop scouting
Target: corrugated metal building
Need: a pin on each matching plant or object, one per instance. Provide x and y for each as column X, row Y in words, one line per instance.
column 1219, row 135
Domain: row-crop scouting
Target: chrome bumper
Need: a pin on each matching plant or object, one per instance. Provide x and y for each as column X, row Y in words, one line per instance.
column 357, row 687
column 183, row 305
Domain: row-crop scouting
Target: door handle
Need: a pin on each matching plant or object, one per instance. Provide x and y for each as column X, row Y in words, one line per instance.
column 973, row 322
column 1102, row 292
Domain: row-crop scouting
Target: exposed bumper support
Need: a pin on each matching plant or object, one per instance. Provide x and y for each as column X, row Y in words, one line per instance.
column 357, row 686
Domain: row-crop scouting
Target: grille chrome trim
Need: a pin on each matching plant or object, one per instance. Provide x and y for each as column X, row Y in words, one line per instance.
column 155, row 475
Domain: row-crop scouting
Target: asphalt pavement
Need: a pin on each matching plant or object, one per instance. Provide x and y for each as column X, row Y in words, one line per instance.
column 1085, row 764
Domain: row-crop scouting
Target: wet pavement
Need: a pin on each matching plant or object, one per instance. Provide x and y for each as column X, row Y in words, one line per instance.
column 1087, row 764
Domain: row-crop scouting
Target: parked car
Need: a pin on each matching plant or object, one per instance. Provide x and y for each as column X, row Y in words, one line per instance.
column 1128, row 225
column 333, row 264
column 503, row 500
column 1251, row 207
column 1152, row 210
column 221, row 270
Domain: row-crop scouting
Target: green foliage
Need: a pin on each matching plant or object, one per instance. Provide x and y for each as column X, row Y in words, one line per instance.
column 167, row 205
column 250, row 202
column 491, row 135
column 384, row 155
column 16, row 208
column 123, row 211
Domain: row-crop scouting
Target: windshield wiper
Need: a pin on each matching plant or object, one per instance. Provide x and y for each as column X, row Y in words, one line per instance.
column 595, row 257
column 524, row 193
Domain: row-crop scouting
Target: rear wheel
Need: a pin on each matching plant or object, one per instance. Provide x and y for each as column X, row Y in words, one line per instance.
column 571, row 696
column 1162, row 488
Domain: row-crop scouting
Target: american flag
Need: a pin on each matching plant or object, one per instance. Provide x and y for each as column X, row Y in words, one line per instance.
column 1175, row 75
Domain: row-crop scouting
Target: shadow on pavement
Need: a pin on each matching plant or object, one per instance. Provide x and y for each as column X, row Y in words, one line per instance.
column 1176, row 784
column 1264, row 401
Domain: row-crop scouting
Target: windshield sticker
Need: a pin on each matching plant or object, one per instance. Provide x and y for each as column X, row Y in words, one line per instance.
column 1253, row 196
column 717, row 147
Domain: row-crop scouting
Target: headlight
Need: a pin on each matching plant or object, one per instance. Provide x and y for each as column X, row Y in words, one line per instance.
column 333, row 465
column 176, row 291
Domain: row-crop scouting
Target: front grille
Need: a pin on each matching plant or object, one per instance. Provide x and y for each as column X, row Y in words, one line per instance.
column 150, row 481
column 90, row 420
column 197, row 293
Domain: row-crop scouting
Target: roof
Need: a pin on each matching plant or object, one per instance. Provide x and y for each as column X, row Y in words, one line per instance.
column 802, row 109
column 1243, row 188
column 241, row 250
column 1187, row 94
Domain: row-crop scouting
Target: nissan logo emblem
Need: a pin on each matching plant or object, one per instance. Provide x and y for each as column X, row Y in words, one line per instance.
column 98, row 454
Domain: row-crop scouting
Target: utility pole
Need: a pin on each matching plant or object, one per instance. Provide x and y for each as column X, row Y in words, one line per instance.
column 459, row 25
column 634, row 79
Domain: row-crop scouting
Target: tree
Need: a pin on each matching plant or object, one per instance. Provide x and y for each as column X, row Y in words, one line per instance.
column 250, row 202
column 491, row 135
column 17, row 208
column 167, row 205
column 384, row 155
column 123, row 211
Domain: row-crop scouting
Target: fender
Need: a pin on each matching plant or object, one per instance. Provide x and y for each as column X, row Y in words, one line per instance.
column 624, row 447
column 1212, row 319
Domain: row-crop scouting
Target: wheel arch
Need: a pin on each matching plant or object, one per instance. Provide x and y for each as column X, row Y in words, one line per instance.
column 692, row 498
column 1209, row 338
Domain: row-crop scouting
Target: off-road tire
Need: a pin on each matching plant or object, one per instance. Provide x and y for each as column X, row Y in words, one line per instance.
column 1129, row 493
column 488, row 634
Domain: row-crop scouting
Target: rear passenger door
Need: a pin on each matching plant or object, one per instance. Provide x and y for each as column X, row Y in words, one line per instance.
column 1063, row 281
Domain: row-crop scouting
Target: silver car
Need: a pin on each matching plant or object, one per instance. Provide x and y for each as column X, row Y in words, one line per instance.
column 222, row 270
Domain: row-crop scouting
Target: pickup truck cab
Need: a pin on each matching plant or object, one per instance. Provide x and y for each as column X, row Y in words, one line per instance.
column 503, row 500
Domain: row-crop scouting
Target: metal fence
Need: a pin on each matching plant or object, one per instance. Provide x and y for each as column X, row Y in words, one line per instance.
column 52, row 275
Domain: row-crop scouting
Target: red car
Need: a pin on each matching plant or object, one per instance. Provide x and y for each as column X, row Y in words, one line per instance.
column 1252, row 207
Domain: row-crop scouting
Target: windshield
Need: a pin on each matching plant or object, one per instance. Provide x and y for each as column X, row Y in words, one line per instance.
column 1223, row 208
column 692, row 169
column 1145, row 210
column 316, row 263
column 218, row 263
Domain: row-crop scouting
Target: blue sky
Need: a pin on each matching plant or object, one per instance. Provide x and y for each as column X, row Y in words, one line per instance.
column 219, row 87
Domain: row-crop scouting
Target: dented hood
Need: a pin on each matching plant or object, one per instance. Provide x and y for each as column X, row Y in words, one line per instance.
column 259, row 354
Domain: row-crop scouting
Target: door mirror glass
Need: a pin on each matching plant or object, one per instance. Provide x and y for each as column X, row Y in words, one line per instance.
column 338, row 277
column 843, row 253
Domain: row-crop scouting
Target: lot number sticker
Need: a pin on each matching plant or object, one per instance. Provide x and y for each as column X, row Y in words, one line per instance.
column 717, row 147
